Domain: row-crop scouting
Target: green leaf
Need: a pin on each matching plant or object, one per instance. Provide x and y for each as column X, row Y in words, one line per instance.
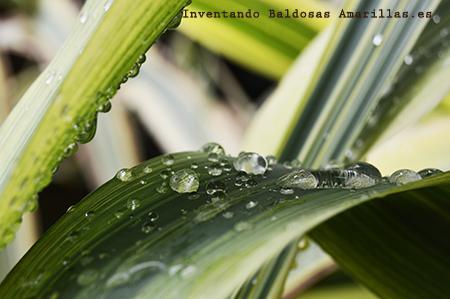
column 249, row 41
column 126, row 240
column 60, row 108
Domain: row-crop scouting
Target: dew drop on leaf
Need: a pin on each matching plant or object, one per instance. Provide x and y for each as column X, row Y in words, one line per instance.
column 185, row 181
column 361, row 175
column 404, row 176
column 251, row 163
column 427, row 172
column 124, row 175
column 251, row 205
column 133, row 204
column 213, row 147
column 168, row 160
column 377, row 40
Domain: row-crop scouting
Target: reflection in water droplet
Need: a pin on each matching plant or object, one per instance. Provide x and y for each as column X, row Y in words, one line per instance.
column 299, row 178
column 251, row 163
column 404, row 176
column 361, row 175
column 185, row 181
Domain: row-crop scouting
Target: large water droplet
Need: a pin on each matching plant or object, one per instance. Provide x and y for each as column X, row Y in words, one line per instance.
column 251, row 163
column 213, row 147
column 361, row 175
column 185, row 181
column 404, row 176
column 300, row 178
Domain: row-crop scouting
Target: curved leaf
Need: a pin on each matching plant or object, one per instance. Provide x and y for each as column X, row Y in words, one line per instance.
column 60, row 108
column 138, row 238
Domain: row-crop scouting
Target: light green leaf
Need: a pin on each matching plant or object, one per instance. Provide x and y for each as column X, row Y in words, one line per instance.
column 60, row 108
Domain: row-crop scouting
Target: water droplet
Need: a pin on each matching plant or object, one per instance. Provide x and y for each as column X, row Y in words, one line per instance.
column 87, row 277
column 166, row 173
column 404, row 176
column 251, row 205
column 436, row 19
column 148, row 169
column 185, row 181
column 194, row 165
column 50, row 78
column 104, row 107
column 377, row 40
column 71, row 209
column 303, row 244
column 70, row 149
column 147, row 227
column 162, row 188
column 124, row 175
column 214, row 170
column 286, row 191
column 89, row 214
column 133, row 204
column 251, row 163
column 408, row 59
column 168, row 160
column 427, row 172
column 83, row 17
column 300, row 178
column 242, row 226
column 108, row 5
column 175, row 22
column 228, row 215
column 271, row 160
column 361, row 175
column 213, row 148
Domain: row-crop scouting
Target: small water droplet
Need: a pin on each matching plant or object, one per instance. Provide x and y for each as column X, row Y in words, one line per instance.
column 89, row 214
column 436, row 19
column 228, row 215
column 408, row 60
column 147, row 227
column 251, row 163
column 108, row 5
column 242, row 226
column 83, row 17
column 427, row 172
column 71, row 209
column 303, row 244
column 286, row 191
column 162, row 188
column 404, row 176
column 251, row 205
column 377, row 40
column 213, row 147
column 124, row 175
column 133, row 204
column 148, row 169
column 213, row 157
column 50, row 78
column 185, row 181
column 271, row 160
column 188, row 271
column 176, row 21
column 194, row 165
column 214, row 170
column 168, row 160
